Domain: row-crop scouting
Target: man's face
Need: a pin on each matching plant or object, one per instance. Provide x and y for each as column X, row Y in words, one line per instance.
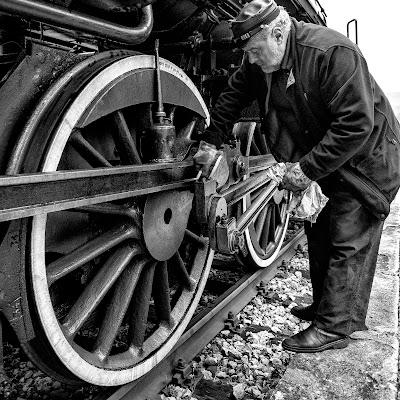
column 268, row 52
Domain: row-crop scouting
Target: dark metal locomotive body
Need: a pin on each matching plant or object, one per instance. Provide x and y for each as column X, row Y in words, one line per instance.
column 107, row 235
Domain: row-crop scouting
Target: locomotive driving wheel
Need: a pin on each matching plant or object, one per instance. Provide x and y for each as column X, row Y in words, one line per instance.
column 111, row 286
column 265, row 235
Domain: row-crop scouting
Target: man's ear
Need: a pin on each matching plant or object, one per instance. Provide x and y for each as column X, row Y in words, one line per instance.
column 277, row 33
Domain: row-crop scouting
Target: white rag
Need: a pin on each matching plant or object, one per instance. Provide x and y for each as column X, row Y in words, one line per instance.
column 305, row 204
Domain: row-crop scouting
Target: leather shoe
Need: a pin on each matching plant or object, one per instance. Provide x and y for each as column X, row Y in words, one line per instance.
column 313, row 339
column 306, row 313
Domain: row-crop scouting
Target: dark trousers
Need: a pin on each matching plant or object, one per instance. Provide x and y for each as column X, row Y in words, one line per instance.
column 343, row 248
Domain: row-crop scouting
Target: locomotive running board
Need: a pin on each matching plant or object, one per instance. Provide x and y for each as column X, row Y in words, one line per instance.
column 27, row 195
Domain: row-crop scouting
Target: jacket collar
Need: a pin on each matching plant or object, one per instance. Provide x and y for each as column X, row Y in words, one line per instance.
column 287, row 61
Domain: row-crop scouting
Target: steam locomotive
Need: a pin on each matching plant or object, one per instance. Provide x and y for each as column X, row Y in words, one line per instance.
column 106, row 233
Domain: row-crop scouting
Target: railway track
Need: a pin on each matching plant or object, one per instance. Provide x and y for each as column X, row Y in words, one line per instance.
column 202, row 329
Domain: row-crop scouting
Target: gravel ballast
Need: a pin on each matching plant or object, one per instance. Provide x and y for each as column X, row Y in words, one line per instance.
column 249, row 365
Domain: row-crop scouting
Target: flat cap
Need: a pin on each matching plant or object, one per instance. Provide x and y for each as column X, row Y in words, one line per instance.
column 251, row 20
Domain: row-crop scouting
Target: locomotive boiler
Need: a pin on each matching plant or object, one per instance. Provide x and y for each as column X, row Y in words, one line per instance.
column 107, row 234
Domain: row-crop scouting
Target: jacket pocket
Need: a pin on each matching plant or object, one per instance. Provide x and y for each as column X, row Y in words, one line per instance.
column 367, row 193
column 382, row 166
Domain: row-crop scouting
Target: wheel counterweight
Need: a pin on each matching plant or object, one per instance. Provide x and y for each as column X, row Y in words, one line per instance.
column 164, row 222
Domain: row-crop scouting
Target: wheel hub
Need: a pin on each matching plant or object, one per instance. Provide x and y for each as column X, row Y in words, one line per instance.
column 164, row 222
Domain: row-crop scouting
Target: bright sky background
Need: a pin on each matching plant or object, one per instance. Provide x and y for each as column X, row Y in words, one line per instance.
column 378, row 35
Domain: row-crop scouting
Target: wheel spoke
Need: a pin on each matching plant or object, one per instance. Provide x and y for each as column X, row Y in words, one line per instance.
column 161, row 293
column 87, row 151
column 278, row 218
column 89, row 251
column 97, row 288
column 129, row 211
column 272, row 226
column 118, row 306
column 140, row 307
column 259, row 224
column 195, row 238
column 261, row 141
column 184, row 140
column 124, row 141
column 181, row 272
column 266, row 229
column 255, row 151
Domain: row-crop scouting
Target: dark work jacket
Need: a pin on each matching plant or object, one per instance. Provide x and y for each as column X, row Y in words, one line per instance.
column 351, row 133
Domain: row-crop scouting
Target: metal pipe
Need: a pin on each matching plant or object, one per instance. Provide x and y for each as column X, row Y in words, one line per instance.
column 203, row 44
column 63, row 18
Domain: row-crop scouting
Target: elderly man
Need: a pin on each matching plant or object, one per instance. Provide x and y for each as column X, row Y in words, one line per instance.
column 323, row 113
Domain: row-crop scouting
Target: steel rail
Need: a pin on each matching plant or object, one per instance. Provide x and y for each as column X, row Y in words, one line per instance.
column 203, row 328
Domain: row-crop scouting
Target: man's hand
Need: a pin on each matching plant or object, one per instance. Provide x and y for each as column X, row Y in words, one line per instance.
column 205, row 157
column 294, row 179
column 212, row 163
